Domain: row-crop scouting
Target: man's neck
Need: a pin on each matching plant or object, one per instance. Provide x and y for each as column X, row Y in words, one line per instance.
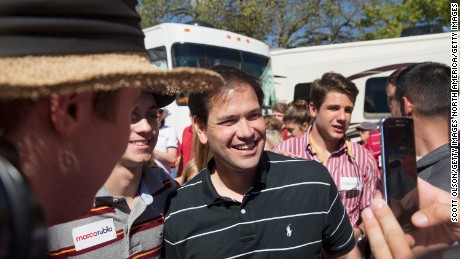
column 232, row 184
column 323, row 146
column 430, row 134
column 124, row 181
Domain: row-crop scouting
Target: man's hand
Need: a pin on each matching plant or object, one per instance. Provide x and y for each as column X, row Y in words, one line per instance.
column 435, row 228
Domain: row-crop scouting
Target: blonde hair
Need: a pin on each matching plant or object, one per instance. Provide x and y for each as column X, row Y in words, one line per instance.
column 273, row 123
column 273, row 137
column 189, row 172
column 202, row 152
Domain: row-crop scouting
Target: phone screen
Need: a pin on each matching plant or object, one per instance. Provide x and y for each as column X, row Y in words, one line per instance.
column 399, row 168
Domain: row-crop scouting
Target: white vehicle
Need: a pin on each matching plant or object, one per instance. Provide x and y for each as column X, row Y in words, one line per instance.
column 186, row 45
column 368, row 64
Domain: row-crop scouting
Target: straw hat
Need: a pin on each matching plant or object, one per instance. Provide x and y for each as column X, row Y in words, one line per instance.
column 61, row 47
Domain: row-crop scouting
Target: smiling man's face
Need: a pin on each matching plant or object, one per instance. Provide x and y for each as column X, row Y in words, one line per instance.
column 235, row 131
column 144, row 130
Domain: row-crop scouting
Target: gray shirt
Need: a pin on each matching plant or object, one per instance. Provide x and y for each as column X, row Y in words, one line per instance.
column 434, row 167
column 138, row 232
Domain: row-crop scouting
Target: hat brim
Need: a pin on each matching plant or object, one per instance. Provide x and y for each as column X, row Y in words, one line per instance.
column 33, row 77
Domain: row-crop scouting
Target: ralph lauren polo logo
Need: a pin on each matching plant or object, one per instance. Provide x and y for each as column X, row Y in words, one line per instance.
column 288, row 231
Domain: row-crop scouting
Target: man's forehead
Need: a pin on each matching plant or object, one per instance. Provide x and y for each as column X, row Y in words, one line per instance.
column 333, row 96
column 391, row 88
column 148, row 99
column 222, row 98
column 232, row 99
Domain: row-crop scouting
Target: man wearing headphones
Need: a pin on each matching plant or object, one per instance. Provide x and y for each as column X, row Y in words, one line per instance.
column 352, row 167
column 70, row 78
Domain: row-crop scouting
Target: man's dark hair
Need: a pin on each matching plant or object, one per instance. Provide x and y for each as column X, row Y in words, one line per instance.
column 392, row 78
column 104, row 103
column 332, row 82
column 201, row 103
column 14, row 112
column 427, row 86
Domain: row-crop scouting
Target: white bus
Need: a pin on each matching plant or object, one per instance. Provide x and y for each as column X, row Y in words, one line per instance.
column 182, row 45
column 368, row 64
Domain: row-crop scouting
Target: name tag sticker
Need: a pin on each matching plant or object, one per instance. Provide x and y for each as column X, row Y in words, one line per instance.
column 93, row 234
column 349, row 183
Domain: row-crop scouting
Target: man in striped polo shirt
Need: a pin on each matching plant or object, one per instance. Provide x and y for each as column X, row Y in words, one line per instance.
column 126, row 220
column 248, row 202
column 352, row 167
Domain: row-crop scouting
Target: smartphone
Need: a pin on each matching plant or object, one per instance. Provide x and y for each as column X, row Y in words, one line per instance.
column 399, row 166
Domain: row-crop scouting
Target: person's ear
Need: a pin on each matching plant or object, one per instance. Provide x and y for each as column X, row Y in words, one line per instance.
column 313, row 109
column 66, row 112
column 406, row 107
column 200, row 130
column 304, row 126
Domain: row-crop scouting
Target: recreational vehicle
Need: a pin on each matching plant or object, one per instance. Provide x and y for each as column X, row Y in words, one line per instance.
column 367, row 64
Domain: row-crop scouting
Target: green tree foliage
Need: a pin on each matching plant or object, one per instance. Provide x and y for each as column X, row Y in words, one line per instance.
column 155, row 12
column 390, row 18
column 280, row 23
column 295, row 23
column 316, row 22
column 246, row 17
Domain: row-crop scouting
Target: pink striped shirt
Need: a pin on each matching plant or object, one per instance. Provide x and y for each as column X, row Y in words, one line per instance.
column 346, row 171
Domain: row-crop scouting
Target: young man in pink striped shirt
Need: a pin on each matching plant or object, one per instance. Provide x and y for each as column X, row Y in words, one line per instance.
column 352, row 167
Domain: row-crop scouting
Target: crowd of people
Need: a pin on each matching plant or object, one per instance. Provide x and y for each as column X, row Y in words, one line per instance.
column 109, row 178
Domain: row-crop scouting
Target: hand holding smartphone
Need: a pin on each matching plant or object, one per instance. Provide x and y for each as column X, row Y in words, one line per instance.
column 399, row 186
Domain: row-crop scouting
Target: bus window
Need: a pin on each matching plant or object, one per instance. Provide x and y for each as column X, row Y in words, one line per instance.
column 255, row 64
column 375, row 100
column 259, row 66
column 158, row 57
column 196, row 55
column 302, row 91
column 268, row 86
column 182, row 99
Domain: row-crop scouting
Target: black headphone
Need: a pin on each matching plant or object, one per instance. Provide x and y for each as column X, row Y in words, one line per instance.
column 22, row 225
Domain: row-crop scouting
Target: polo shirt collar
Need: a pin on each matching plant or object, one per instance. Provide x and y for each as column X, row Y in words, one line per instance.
column 211, row 197
column 150, row 183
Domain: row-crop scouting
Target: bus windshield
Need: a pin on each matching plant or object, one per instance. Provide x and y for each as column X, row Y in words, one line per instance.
column 199, row 55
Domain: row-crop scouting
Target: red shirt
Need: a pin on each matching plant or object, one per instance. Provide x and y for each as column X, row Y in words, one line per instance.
column 285, row 134
column 373, row 144
column 187, row 143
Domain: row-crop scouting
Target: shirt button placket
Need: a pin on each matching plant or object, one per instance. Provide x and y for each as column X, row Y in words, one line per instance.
column 246, row 231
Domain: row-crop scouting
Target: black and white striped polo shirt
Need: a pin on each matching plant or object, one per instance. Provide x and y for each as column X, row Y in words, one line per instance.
column 292, row 210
